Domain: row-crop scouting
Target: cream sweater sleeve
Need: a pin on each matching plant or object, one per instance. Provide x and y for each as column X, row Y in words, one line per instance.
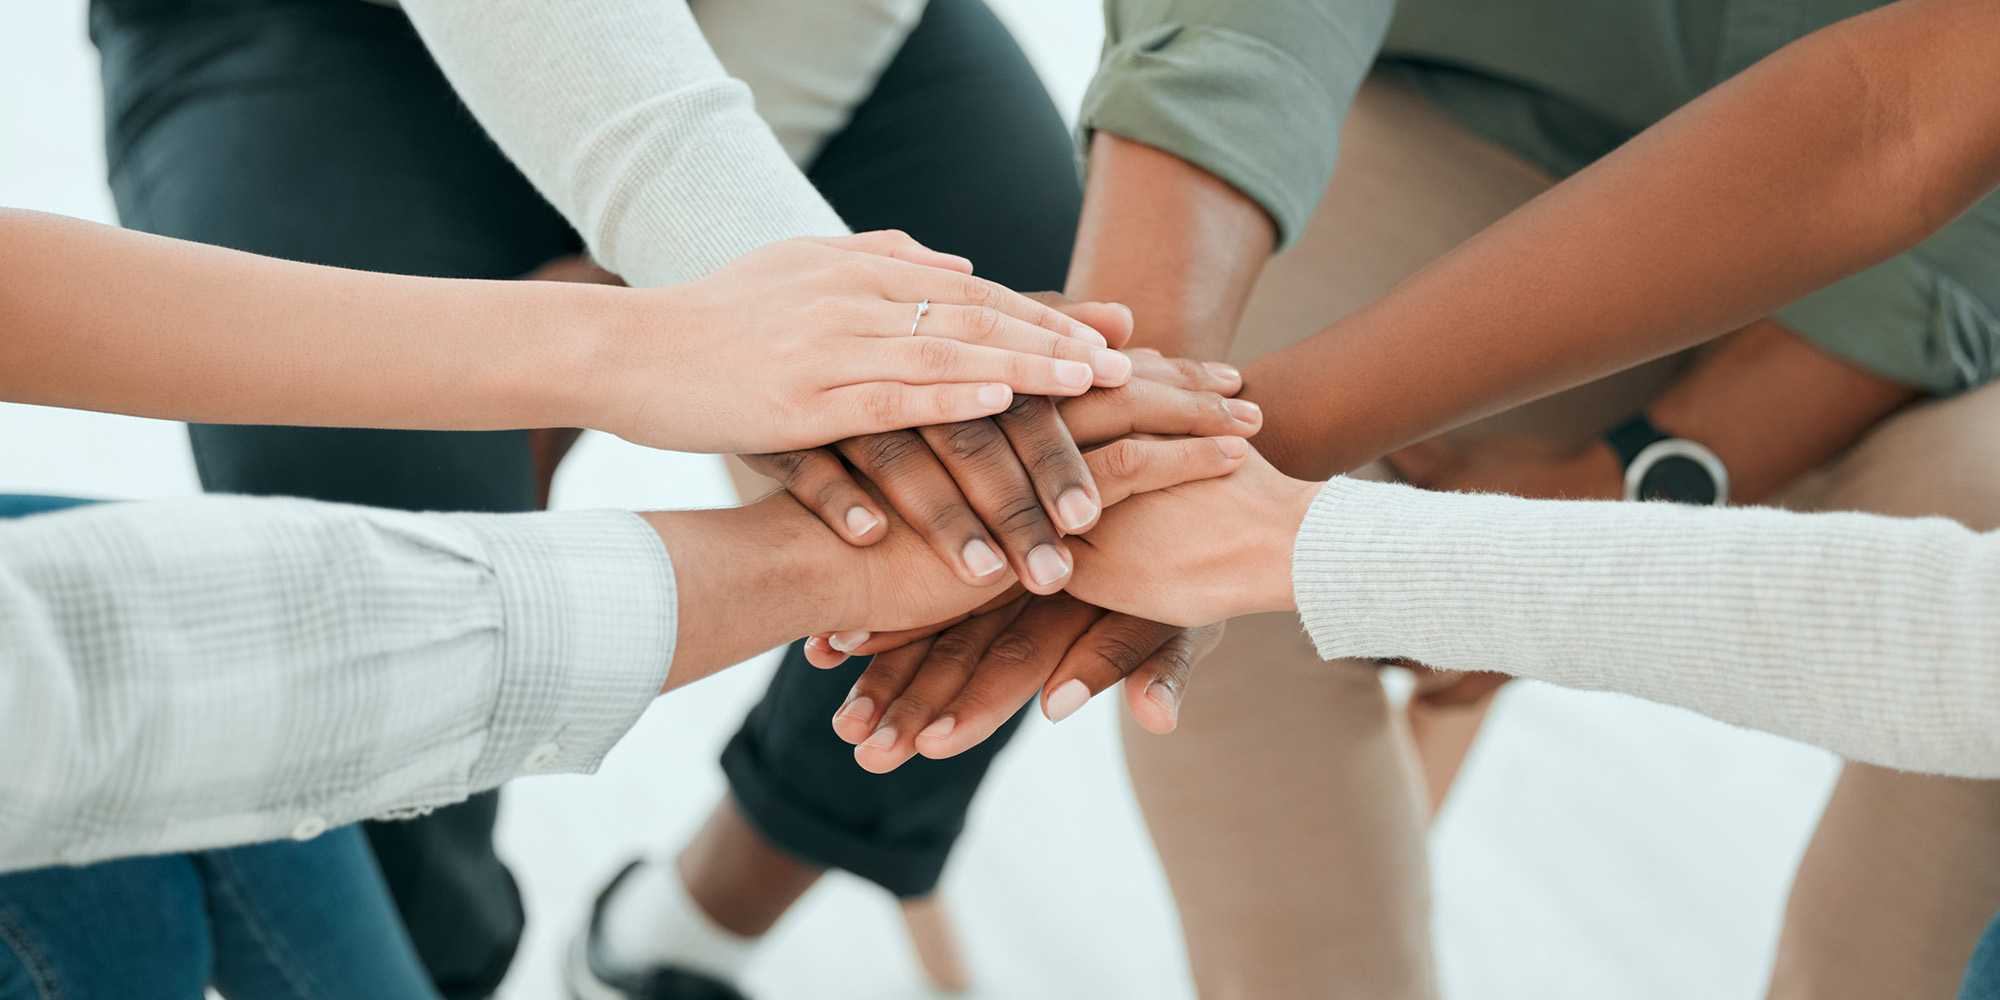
column 1877, row 638
column 624, row 119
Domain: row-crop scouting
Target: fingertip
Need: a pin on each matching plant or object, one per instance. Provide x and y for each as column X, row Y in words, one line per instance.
column 1232, row 447
column 820, row 653
column 993, row 397
column 1244, row 411
column 861, row 523
column 1087, row 334
column 1112, row 368
column 1065, row 700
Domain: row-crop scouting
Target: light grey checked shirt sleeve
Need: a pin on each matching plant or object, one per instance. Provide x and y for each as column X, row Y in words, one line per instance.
column 198, row 673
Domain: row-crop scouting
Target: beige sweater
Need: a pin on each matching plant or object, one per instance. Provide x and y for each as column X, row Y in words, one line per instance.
column 1875, row 637
column 626, row 120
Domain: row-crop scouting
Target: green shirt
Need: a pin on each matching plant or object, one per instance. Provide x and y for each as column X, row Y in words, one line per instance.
column 1254, row 91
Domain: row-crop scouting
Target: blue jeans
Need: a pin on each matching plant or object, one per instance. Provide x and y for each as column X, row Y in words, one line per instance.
column 1982, row 976
column 283, row 920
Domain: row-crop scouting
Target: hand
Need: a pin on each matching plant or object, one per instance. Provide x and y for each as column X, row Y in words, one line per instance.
column 944, row 695
column 1198, row 553
column 1519, row 464
column 1003, row 492
column 808, row 341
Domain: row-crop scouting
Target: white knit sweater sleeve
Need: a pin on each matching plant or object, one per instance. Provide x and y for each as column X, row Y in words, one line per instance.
column 624, row 119
column 1877, row 638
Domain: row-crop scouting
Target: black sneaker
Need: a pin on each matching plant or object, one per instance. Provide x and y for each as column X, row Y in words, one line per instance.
column 591, row 975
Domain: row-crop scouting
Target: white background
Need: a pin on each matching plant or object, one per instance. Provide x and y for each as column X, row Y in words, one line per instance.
column 1596, row 846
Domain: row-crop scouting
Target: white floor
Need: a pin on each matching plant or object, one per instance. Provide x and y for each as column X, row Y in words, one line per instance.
column 1598, row 847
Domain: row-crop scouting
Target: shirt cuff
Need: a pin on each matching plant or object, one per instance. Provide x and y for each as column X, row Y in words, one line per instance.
column 591, row 619
column 1235, row 105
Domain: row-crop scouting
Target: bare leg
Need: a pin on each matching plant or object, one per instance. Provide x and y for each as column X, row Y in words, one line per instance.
column 1286, row 808
column 1304, row 879
column 742, row 882
column 1904, row 870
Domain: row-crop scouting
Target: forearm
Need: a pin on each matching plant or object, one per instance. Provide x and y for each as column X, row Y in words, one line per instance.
column 750, row 579
column 222, row 670
column 1874, row 637
column 1837, row 152
column 623, row 118
column 105, row 319
column 1177, row 245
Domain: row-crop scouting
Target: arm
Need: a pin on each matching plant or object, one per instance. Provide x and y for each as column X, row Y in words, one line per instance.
column 191, row 674
column 796, row 344
column 624, row 119
column 1874, row 637
column 1837, row 152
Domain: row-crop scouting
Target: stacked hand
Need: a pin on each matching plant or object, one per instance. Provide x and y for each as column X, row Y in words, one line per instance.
column 808, row 341
column 977, row 670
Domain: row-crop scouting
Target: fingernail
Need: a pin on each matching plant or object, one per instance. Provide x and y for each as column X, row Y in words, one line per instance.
column 1220, row 370
column 1074, row 374
column 1244, row 410
column 1164, row 697
column 1231, row 447
column 849, row 641
column 1067, row 699
column 1111, row 365
column 1077, row 510
column 883, row 739
column 980, row 560
column 860, row 522
column 939, row 730
column 994, row 396
column 1046, row 565
column 1089, row 336
column 860, row 710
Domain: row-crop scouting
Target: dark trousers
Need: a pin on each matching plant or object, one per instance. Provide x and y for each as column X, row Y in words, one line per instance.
column 320, row 130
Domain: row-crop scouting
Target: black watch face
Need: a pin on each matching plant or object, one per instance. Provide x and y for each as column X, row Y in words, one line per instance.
column 1679, row 479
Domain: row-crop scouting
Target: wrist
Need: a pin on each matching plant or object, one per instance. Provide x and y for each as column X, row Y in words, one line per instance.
column 748, row 579
column 1274, row 588
column 612, row 339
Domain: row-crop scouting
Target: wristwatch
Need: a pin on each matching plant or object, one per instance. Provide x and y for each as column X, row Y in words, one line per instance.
column 1659, row 466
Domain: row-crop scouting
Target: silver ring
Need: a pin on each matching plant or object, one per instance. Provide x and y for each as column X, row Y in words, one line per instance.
column 922, row 308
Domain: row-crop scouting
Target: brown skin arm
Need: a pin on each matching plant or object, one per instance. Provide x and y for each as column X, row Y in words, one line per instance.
column 1175, row 243
column 1767, row 402
column 1610, row 268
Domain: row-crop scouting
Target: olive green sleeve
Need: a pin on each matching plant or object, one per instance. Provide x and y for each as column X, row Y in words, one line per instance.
column 1929, row 318
column 1252, row 91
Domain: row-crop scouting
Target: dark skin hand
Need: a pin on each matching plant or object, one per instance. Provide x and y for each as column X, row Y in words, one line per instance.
column 1182, row 249
column 987, row 494
column 1768, row 403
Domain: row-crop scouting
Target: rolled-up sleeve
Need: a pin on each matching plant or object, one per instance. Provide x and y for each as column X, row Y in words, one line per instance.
column 199, row 673
column 1252, row 91
column 1929, row 318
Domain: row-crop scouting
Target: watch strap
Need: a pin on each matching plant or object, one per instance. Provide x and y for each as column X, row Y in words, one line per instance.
column 1632, row 437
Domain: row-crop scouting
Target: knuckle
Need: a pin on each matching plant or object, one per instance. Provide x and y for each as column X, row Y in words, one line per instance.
column 1023, row 516
column 954, row 651
column 1013, row 648
column 1123, row 459
column 970, row 439
column 936, row 355
column 893, row 451
column 881, row 404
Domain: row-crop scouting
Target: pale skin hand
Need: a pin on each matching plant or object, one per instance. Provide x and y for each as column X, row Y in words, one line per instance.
column 1186, row 556
column 801, row 342
column 777, row 557
column 1002, row 493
